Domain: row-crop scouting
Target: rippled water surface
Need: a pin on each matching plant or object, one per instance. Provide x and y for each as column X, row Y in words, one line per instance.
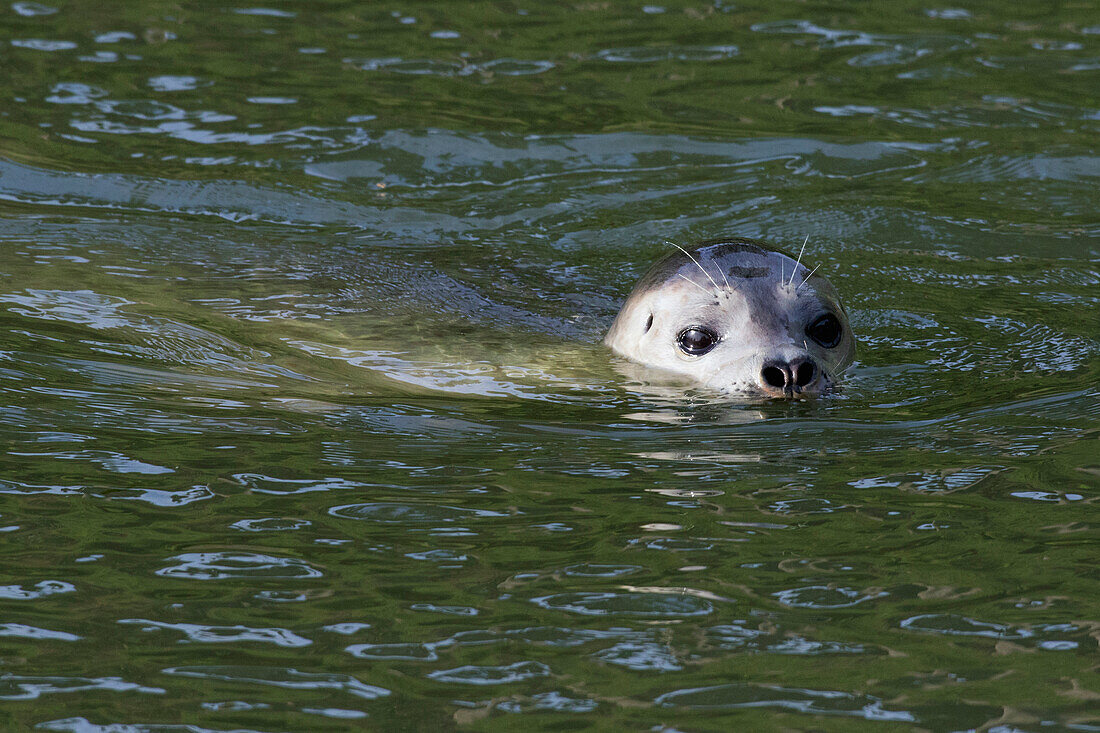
column 306, row 424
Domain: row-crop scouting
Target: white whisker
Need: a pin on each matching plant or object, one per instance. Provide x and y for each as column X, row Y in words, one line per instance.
column 712, row 282
column 799, row 260
column 697, row 285
column 725, row 279
column 808, row 276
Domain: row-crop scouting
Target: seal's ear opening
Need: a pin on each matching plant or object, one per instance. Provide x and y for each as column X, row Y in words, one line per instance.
column 648, row 323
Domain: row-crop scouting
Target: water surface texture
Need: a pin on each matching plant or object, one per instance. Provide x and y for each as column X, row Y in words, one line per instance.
column 306, row 424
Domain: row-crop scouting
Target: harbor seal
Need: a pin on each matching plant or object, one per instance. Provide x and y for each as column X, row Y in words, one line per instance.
column 737, row 315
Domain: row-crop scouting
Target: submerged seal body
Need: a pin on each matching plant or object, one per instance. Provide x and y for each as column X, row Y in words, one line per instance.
column 739, row 316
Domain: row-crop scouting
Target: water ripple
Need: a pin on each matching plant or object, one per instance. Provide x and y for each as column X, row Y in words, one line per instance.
column 394, row 513
column 395, row 650
column 629, row 604
column 447, row 610
column 262, row 484
column 598, row 570
column 221, row 565
column 225, row 634
column 270, row 524
column 550, row 636
column 337, row 713
column 641, row 657
column 83, row 725
column 653, row 54
column 739, row 637
column 39, row 590
column 550, row 702
column 43, row 44
column 818, row 702
column 489, row 675
column 430, row 67
column 824, row 596
column 31, row 9
column 284, row 677
column 30, row 687
column 156, row 497
column 33, row 632
column 955, row 625
column 109, row 460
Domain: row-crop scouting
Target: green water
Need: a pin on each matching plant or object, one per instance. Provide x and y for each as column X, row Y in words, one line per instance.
column 306, row 424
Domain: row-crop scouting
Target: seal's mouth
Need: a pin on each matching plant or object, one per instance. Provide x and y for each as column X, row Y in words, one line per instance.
column 821, row 386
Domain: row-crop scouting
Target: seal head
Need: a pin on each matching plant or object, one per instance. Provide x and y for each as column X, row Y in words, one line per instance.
column 736, row 315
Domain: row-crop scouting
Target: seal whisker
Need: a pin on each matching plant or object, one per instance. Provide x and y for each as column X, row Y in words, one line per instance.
column 808, row 276
column 799, row 260
column 725, row 279
column 712, row 282
column 695, row 284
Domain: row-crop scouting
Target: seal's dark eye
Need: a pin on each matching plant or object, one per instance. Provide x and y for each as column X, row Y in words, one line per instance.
column 826, row 330
column 696, row 340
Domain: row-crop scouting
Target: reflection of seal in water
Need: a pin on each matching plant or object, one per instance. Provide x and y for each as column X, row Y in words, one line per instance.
column 739, row 316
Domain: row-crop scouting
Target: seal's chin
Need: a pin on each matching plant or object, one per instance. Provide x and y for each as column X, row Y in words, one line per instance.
column 819, row 387
column 804, row 394
column 759, row 389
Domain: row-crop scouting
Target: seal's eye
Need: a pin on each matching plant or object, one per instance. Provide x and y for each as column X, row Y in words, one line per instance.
column 696, row 340
column 826, row 330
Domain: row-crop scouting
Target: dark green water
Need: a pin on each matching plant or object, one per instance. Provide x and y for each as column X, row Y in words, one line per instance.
column 306, row 425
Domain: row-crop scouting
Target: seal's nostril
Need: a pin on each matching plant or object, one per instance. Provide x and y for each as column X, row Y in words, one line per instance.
column 805, row 373
column 774, row 377
column 791, row 377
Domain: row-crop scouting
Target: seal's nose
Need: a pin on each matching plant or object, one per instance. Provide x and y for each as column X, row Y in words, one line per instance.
column 785, row 378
